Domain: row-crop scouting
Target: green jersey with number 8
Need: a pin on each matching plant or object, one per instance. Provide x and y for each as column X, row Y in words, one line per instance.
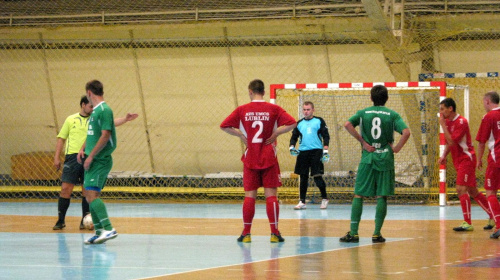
column 377, row 126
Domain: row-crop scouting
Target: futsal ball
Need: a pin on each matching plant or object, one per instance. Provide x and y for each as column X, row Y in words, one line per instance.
column 87, row 222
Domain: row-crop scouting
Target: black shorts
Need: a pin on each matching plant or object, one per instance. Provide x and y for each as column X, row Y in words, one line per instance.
column 72, row 170
column 310, row 159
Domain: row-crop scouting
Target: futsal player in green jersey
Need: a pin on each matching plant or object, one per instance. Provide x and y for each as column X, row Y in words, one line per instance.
column 71, row 137
column 100, row 144
column 375, row 176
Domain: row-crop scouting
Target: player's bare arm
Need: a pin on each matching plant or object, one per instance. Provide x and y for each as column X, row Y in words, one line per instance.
column 278, row 132
column 129, row 117
column 235, row 132
column 402, row 141
column 350, row 128
column 480, row 151
column 57, row 156
column 81, row 153
column 442, row 159
column 101, row 143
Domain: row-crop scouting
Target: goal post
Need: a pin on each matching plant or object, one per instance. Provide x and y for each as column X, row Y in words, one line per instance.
column 419, row 177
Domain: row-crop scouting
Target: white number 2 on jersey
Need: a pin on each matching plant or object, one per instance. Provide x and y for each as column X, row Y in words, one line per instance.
column 376, row 130
column 256, row 138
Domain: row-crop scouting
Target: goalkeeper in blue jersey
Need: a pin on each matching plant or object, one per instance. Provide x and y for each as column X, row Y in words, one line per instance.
column 312, row 153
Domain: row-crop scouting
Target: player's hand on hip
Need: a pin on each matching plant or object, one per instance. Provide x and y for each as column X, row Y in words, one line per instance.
column 294, row 152
column 271, row 139
column 368, row 147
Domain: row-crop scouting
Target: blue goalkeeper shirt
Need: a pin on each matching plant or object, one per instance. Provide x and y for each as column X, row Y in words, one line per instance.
column 313, row 134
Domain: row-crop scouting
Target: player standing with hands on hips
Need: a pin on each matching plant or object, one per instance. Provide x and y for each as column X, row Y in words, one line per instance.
column 458, row 142
column 375, row 176
column 258, row 124
column 100, row 144
column 489, row 133
column 312, row 152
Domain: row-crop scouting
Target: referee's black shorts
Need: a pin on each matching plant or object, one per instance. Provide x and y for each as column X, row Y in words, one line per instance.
column 72, row 171
column 310, row 159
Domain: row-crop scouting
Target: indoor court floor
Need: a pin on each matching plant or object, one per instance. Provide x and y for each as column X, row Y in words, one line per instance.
column 198, row 241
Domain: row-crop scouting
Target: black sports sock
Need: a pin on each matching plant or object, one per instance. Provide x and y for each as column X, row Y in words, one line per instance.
column 85, row 207
column 320, row 183
column 62, row 207
column 304, row 182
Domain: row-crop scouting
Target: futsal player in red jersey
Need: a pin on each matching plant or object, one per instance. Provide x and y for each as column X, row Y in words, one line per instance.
column 459, row 143
column 489, row 133
column 258, row 124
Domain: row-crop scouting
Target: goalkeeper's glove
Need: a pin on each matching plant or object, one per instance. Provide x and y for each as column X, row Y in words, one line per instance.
column 294, row 152
column 326, row 156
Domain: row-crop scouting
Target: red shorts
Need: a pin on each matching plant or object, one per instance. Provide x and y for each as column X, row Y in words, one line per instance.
column 466, row 174
column 256, row 178
column 492, row 178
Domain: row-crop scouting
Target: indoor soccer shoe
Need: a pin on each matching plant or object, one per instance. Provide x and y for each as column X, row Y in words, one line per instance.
column 275, row 238
column 378, row 239
column 91, row 240
column 348, row 238
column 490, row 224
column 59, row 225
column 247, row 238
column 300, row 206
column 464, row 227
column 105, row 236
column 324, row 204
column 496, row 234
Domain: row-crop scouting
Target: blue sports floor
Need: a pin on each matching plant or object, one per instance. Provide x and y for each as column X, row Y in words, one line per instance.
column 192, row 241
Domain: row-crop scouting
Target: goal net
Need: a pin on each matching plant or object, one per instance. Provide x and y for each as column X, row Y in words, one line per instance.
column 418, row 176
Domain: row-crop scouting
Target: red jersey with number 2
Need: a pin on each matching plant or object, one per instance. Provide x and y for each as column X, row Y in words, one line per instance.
column 489, row 133
column 258, row 120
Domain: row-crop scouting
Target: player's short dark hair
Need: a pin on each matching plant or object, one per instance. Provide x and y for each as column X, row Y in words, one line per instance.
column 493, row 96
column 256, row 86
column 95, row 87
column 84, row 100
column 449, row 102
column 309, row 103
column 379, row 95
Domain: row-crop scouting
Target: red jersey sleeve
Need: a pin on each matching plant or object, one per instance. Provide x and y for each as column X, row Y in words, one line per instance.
column 460, row 129
column 233, row 120
column 284, row 118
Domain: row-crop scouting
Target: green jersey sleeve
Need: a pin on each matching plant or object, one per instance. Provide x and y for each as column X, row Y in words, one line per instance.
column 399, row 124
column 355, row 120
column 107, row 120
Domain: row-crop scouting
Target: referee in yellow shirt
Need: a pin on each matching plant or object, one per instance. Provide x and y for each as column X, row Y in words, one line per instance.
column 72, row 136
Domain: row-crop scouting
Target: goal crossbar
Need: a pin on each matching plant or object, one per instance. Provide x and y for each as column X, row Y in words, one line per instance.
column 441, row 86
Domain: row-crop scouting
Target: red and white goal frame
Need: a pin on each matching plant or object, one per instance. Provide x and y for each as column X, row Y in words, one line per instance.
column 440, row 85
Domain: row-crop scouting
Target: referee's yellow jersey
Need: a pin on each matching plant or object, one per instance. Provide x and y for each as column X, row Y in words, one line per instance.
column 74, row 131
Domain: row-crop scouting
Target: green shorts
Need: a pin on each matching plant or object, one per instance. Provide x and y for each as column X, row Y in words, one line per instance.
column 95, row 177
column 371, row 182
